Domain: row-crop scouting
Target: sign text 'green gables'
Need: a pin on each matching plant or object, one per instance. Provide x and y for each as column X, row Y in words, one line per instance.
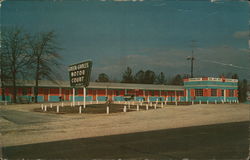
column 79, row 74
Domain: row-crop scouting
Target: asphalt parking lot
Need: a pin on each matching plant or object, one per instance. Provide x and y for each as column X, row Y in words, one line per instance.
column 220, row 141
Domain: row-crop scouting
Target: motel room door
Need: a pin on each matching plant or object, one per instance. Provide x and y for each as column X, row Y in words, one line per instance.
column 67, row 95
column 46, row 95
column 94, row 94
column 110, row 94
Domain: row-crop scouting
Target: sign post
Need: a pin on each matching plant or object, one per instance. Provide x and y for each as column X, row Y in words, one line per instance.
column 79, row 75
column 73, row 97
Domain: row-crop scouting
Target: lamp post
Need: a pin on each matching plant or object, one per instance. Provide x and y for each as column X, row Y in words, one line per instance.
column 192, row 59
column 192, row 65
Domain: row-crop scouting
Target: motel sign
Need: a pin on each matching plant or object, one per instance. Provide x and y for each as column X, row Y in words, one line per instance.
column 79, row 74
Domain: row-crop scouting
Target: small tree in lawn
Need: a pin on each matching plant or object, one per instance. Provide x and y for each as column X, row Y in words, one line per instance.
column 45, row 57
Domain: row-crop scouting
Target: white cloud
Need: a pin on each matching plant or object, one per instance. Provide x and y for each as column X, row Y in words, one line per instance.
column 241, row 34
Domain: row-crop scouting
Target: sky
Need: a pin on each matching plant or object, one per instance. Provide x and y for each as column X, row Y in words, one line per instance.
column 142, row 34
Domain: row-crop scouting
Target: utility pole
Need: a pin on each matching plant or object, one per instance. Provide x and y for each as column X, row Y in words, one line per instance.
column 192, row 59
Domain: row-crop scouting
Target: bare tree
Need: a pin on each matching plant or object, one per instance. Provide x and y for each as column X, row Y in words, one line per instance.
column 3, row 73
column 45, row 57
column 14, row 47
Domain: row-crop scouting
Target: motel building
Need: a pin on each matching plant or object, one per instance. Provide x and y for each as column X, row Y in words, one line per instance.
column 202, row 90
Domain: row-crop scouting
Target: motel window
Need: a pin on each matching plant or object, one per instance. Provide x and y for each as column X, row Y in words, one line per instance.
column 222, row 93
column 118, row 93
column 180, row 93
column 231, row 92
column 198, row 92
column 24, row 91
column 67, row 91
column 214, row 92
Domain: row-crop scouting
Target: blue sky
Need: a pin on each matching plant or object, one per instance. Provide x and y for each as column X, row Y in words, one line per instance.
column 145, row 34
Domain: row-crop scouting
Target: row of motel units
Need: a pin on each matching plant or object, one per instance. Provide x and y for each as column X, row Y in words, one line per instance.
column 195, row 89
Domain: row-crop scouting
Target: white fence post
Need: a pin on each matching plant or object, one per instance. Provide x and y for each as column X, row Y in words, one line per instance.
column 161, row 104
column 125, row 109
column 80, row 109
column 57, row 108
column 192, row 102
column 155, row 105
column 42, row 106
column 107, row 110
column 45, row 108
column 50, row 105
column 137, row 107
column 146, row 106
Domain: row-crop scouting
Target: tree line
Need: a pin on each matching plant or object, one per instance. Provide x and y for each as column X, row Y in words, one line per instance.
column 27, row 56
column 143, row 77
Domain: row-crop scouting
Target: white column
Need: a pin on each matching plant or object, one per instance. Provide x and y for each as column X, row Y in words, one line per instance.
column 84, row 97
column 186, row 95
column 48, row 95
column 225, row 95
column 73, row 96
